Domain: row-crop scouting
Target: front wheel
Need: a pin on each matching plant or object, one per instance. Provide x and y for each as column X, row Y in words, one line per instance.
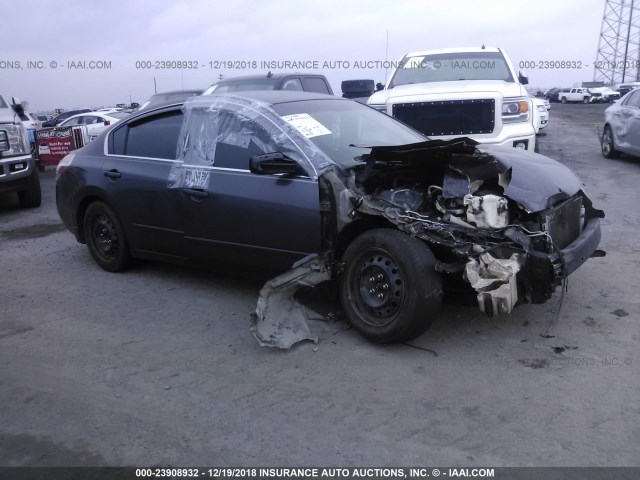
column 585, row 100
column 608, row 150
column 105, row 237
column 390, row 290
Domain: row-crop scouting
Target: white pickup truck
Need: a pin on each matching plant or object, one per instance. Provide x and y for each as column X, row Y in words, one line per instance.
column 456, row 92
column 574, row 95
column 18, row 172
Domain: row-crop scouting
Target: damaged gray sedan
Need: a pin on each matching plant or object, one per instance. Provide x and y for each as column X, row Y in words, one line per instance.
column 323, row 188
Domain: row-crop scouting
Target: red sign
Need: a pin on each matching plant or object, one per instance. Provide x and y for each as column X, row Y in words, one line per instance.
column 53, row 144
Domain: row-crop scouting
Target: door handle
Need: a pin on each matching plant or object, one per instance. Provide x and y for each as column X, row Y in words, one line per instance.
column 194, row 192
column 112, row 174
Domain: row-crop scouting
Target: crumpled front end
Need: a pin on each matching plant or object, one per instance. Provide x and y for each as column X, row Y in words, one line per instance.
column 511, row 224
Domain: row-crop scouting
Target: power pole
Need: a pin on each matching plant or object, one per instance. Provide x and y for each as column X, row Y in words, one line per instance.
column 618, row 56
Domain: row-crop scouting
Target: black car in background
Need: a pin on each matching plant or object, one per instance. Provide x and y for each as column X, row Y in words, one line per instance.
column 552, row 95
column 63, row 116
column 274, row 178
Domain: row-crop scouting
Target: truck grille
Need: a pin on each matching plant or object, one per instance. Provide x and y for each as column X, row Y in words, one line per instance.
column 450, row 117
column 563, row 223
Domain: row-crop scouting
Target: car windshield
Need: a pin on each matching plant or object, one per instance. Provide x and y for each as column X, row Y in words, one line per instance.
column 447, row 67
column 335, row 125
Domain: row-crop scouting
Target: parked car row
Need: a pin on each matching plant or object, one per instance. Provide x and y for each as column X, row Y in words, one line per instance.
column 583, row 95
column 95, row 122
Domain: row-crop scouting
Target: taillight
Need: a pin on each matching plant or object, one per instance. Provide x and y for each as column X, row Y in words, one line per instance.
column 107, row 122
column 64, row 163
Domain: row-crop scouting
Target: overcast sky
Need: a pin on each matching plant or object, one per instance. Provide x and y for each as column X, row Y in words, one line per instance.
column 123, row 32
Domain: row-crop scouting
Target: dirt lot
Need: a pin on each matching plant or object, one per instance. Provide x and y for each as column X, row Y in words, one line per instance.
column 157, row 366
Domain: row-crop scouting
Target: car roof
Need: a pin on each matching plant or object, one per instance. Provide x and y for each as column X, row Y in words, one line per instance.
column 269, row 97
column 177, row 92
column 274, row 97
column 273, row 76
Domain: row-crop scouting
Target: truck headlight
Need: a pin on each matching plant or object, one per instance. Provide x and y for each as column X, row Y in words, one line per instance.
column 515, row 110
column 18, row 140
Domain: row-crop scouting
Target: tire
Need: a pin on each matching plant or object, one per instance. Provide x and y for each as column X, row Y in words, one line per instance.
column 585, row 100
column 31, row 196
column 105, row 237
column 563, row 100
column 390, row 290
column 608, row 149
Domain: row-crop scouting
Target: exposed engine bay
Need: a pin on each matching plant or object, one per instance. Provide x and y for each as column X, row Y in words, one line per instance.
column 487, row 218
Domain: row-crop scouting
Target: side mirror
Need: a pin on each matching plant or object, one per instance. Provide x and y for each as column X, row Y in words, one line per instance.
column 522, row 78
column 273, row 163
column 379, row 86
column 4, row 141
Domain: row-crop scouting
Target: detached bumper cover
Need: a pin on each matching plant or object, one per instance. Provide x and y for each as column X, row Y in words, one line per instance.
column 579, row 251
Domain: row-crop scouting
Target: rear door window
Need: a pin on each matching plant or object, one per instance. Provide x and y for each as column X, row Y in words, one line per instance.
column 151, row 137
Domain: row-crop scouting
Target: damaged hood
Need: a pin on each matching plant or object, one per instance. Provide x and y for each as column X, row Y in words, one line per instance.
column 534, row 181
column 537, row 182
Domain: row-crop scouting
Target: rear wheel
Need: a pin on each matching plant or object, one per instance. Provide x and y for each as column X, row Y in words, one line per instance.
column 563, row 100
column 608, row 149
column 105, row 237
column 390, row 290
column 31, row 196
column 585, row 100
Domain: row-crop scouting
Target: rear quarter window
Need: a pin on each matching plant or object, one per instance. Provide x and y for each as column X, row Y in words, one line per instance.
column 315, row 85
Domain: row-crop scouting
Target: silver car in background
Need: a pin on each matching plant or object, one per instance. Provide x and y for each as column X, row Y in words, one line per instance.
column 621, row 132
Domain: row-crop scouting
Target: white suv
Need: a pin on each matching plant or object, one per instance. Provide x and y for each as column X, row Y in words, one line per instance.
column 470, row 92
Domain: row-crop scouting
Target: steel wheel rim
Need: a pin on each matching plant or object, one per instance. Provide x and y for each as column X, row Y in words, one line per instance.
column 104, row 236
column 378, row 287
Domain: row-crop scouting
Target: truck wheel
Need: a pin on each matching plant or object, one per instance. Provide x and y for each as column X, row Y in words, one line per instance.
column 563, row 100
column 608, row 150
column 105, row 237
column 585, row 100
column 31, row 196
column 390, row 290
